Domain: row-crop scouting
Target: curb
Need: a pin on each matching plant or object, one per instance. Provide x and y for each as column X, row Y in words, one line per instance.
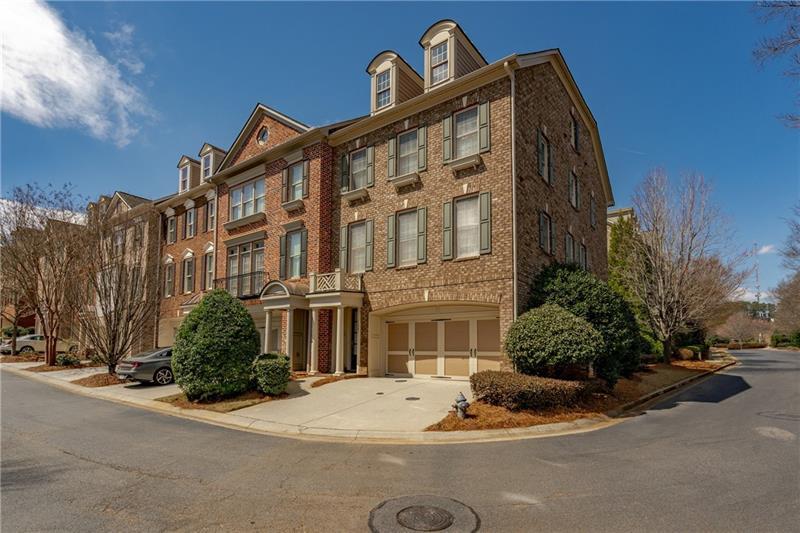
column 274, row 429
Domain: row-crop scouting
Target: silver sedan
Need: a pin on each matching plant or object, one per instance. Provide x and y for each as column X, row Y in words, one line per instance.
column 151, row 367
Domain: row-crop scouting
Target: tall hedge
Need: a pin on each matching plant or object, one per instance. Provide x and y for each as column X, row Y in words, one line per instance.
column 548, row 339
column 215, row 348
column 593, row 300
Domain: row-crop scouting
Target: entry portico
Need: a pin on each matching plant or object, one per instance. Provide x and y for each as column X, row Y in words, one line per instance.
column 302, row 304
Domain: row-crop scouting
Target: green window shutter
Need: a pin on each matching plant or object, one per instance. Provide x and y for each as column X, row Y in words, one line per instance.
column 422, row 148
column 343, row 248
column 422, row 235
column 282, row 267
column 344, row 172
column 303, row 252
column 368, row 249
column 553, row 237
column 391, row 159
column 483, row 127
column 447, row 230
column 390, row 235
column 578, row 191
column 370, row 166
column 571, row 187
column 447, row 138
column 540, row 144
column 306, row 169
column 577, row 135
column 285, row 185
column 486, row 222
column 551, row 175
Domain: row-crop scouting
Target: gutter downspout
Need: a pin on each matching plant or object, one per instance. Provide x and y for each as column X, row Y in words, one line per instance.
column 510, row 71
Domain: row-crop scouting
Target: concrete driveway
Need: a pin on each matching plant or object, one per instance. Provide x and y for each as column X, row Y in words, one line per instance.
column 372, row 404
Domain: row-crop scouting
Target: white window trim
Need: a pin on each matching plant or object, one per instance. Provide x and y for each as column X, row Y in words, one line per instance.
column 388, row 88
column 366, row 169
column 209, row 273
column 181, row 188
column 210, row 157
column 250, row 183
column 211, row 214
column 187, row 274
column 414, row 152
column 172, row 230
column 456, row 155
column 433, row 65
column 291, row 197
column 477, row 252
column 193, row 225
column 414, row 216
column 350, row 248
column 296, row 234
column 169, row 289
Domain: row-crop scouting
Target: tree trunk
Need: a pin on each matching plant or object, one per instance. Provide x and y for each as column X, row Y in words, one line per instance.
column 111, row 366
column 50, row 350
column 667, row 345
column 14, row 335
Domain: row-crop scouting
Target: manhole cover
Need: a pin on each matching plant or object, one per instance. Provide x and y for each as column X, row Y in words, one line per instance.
column 422, row 513
column 424, row 518
column 412, row 398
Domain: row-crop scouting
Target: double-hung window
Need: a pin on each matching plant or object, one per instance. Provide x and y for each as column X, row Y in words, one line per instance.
column 119, row 242
column 247, row 199
column 296, row 181
column 208, row 271
column 407, row 153
column 467, row 226
column 575, row 137
column 583, row 259
column 358, row 169
column 569, row 245
column 439, row 63
column 184, row 175
column 294, row 252
column 211, row 214
column 357, row 253
column 407, row 238
column 188, row 274
column 172, row 233
column 544, row 157
column 593, row 211
column 546, row 233
column 190, row 223
column 169, row 279
column 466, row 138
column 206, row 165
column 383, row 89
column 574, row 191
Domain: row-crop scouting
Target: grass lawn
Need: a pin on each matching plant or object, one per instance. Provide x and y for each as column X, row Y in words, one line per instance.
column 99, row 380
column 650, row 378
column 225, row 405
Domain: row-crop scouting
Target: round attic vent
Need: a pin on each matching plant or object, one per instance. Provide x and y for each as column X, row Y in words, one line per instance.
column 263, row 135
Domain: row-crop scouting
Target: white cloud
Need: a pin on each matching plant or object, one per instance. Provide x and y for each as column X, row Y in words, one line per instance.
column 766, row 249
column 124, row 49
column 55, row 77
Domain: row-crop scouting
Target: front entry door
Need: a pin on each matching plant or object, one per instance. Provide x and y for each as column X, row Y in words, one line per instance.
column 299, row 337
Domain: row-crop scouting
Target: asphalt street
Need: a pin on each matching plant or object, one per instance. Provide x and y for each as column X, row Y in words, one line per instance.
column 723, row 455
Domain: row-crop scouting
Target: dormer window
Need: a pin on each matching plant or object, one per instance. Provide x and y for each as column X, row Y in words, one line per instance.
column 207, row 160
column 184, row 178
column 383, row 88
column 439, row 64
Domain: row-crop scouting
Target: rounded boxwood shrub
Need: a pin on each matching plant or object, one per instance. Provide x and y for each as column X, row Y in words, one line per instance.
column 214, row 348
column 271, row 373
column 584, row 295
column 550, row 338
column 518, row 391
column 67, row 359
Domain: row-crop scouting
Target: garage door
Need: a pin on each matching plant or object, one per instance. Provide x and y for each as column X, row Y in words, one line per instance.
column 452, row 347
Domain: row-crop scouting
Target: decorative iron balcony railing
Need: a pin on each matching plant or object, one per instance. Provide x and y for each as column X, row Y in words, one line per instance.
column 242, row 286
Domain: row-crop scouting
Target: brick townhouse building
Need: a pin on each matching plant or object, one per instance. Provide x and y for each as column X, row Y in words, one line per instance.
column 403, row 242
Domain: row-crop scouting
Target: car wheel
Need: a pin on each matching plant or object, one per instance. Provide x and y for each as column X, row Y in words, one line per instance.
column 163, row 376
column 26, row 349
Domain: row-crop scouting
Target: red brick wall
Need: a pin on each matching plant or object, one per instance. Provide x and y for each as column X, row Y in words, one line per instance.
column 278, row 134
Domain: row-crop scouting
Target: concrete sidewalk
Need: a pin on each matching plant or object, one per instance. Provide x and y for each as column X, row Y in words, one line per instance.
column 369, row 410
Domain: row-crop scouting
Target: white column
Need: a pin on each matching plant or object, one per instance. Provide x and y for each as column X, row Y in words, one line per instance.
column 290, row 335
column 313, row 367
column 267, row 330
column 340, row 340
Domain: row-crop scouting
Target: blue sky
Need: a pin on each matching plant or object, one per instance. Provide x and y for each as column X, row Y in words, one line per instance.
column 672, row 85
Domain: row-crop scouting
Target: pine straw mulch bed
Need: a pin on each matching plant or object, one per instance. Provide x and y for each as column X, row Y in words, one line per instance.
column 21, row 358
column 224, row 405
column 56, row 368
column 484, row 416
column 99, row 380
column 334, row 379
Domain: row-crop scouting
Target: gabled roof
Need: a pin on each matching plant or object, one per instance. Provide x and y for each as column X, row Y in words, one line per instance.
column 132, row 200
column 184, row 158
column 259, row 111
column 209, row 145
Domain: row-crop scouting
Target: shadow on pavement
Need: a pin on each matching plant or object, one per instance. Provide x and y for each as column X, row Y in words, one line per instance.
column 18, row 475
column 718, row 388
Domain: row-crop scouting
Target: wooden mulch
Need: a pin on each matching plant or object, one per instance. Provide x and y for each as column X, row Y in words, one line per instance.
column 99, row 380
column 224, row 405
column 484, row 416
column 334, row 379
column 20, row 358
